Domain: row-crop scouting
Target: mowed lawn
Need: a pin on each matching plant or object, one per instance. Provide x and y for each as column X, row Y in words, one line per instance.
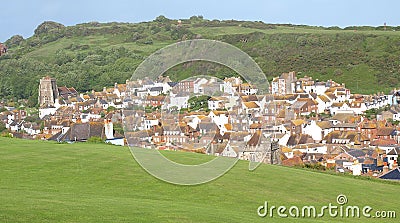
column 50, row 182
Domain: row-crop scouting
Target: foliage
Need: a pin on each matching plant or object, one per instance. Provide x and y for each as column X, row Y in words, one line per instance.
column 33, row 118
column 110, row 109
column 6, row 134
column 47, row 27
column 95, row 139
column 393, row 122
column 14, row 41
column 198, row 102
column 312, row 114
column 150, row 109
column 373, row 112
column 316, row 166
column 118, row 128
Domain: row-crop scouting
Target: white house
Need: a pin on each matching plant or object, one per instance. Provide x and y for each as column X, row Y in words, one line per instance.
column 357, row 168
column 220, row 118
column 340, row 107
column 282, row 141
column 229, row 151
column 318, row 88
column 250, row 106
column 324, row 103
column 179, row 100
column 192, row 120
column 317, row 130
column 392, row 156
column 358, row 107
column 149, row 123
column 197, row 85
column 216, row 103
column 230, row 85
column 46, row 111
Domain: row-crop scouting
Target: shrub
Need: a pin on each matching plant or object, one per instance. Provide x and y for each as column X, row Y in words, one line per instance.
column 95, row 139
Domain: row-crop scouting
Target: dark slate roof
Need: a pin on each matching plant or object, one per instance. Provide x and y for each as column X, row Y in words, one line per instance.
column 392, row 175
column 55, row 136
column 83, row 131
column 356, row 153
column 96, row 129
column 156, row 89
column 172, row 84
column 102, row 101
column 80, row 131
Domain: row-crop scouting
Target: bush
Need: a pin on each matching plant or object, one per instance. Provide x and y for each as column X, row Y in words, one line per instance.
column 47, row 26
column 95, row 139
column 15, row 40
column 316, row 166
column 6, row 134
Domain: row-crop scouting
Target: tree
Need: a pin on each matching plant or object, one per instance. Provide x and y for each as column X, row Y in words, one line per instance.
column 161, row 18
column 371, row 113
column 199, row 102
column 95, row 139
column 119, row 128
column 110, row 109
column 15, row 40
column 393, row 122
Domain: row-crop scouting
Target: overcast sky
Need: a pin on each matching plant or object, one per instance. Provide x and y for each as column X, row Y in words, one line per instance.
column 23, row 16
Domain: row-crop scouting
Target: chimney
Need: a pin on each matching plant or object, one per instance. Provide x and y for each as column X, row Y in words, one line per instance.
column 115, row 85
column 108, row 129
column 104, row 89
column 385, row 168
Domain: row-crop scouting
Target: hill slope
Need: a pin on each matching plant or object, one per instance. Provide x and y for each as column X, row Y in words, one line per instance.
column 92, row 55
column 49, row 182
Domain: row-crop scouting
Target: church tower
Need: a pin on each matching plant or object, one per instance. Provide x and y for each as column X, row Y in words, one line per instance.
column 48, row 92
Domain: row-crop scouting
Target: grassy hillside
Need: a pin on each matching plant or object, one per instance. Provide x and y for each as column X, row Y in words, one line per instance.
column 49, row 182
column 92, row 55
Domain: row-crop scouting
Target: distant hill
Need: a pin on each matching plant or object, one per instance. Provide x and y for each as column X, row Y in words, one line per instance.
column 92, row 55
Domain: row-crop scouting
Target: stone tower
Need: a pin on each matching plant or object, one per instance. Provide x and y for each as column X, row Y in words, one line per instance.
column 48, row 92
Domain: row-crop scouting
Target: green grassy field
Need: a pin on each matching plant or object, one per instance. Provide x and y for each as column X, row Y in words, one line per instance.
column 49, row 182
